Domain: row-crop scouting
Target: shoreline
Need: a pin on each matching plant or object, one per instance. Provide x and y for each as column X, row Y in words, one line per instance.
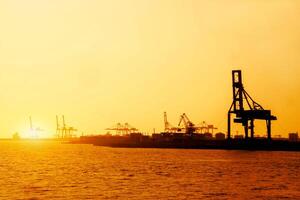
column 188, row 143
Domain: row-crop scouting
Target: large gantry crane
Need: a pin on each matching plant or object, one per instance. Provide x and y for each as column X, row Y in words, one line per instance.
column 246, row 109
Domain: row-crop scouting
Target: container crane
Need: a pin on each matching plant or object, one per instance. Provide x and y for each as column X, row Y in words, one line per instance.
column 206, row 128
column 64, row 128
column 64, row 131
column 246, row 109
column 123, row 129
column 34, row 131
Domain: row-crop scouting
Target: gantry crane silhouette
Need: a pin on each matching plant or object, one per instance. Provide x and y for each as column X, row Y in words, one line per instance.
column 64, row 131
column 34, row 130
column 190, row 127
column 246, row 109
column 206, row 128
column 169, row 128
column 123, row 129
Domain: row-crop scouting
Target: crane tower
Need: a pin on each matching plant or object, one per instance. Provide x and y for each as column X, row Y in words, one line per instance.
column 246, row 109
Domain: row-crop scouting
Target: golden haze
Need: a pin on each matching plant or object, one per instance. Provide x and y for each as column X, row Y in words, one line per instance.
column 102, row 62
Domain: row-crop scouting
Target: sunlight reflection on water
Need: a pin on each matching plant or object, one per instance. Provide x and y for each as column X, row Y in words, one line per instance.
column 50, row 170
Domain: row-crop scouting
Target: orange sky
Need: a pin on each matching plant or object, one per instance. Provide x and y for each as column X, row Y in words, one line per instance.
column 103, row 62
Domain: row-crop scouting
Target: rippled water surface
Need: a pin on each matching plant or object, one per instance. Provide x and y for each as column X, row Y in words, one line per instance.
column 51, row 170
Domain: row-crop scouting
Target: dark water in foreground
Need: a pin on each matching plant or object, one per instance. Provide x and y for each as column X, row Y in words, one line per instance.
column 50, row 170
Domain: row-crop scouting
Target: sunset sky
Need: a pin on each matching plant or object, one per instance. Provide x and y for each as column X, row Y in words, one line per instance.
column 100, row 62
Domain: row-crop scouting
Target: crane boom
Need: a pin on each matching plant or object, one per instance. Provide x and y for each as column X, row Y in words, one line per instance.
column 189, row 126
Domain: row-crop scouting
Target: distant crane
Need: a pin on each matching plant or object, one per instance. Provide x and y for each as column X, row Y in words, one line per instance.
column 64, row 128
column 64, row 131
column 58, row 128
column 34, row 131
column 206, row 128
column 211, row 127
column 123, row 129
column 189, row 126
column 246, row 109
column 70, row 132
column 168, row 126
column 30, row 122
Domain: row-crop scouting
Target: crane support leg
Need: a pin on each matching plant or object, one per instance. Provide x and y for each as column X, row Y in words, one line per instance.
column 228, row 127
column 269, row 129
column 246, row 129
column 252, row 128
